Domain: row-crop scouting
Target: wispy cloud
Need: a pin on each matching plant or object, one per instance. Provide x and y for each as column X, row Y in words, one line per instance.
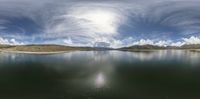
column 113, row 22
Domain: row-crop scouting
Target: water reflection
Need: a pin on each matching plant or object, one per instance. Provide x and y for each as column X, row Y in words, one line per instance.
column 100, row 80
column 100, row 74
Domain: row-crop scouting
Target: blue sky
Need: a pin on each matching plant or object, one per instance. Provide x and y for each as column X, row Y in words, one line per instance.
column 111, row 23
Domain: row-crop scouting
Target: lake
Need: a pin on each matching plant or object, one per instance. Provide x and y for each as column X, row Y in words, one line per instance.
column 162, row 74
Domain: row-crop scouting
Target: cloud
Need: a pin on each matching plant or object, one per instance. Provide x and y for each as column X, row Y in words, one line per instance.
column 144, row 42
column 177, row 44
column 113, row 22
column 10, row 41
column 98, row 42
column 86, row 23
column 101, row 44
column 192, row 40
column 161, row 43
column 68, row 42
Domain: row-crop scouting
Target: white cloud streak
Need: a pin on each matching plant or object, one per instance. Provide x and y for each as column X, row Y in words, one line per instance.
column 10, row 41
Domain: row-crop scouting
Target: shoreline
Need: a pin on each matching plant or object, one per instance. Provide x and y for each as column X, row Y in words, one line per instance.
column 195, row 50
column 58, row 52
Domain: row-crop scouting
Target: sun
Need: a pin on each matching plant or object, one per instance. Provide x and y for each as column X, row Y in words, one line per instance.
column 100, row 21
column 101, row 18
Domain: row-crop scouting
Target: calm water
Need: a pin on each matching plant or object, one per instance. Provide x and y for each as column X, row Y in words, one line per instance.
column 165, row 74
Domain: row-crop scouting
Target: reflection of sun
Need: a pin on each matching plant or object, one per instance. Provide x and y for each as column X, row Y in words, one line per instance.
column 100, row 80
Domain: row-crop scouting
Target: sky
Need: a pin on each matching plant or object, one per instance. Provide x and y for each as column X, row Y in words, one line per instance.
column 100, row 23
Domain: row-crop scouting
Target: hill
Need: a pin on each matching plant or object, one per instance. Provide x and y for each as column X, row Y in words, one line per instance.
column 2, row 46
column 190, row 46
column 59, row 48
column 141, row 47
column 154, row 47
column 41, row 48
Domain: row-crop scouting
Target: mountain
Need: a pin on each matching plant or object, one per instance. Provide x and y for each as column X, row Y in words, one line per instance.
column 190, row 46
column 142, row 47
column 154, row 47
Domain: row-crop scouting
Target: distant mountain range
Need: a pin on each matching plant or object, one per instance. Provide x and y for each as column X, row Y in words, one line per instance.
column 148, row 47
column 191, row 46
column 54, row 48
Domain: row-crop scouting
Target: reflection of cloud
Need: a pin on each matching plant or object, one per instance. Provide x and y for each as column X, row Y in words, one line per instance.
column 105, row 60
column 96, row 68
column 157, row 55
column 165, row 55
column 108, row 58
column 193, row 57
column 143, row 56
